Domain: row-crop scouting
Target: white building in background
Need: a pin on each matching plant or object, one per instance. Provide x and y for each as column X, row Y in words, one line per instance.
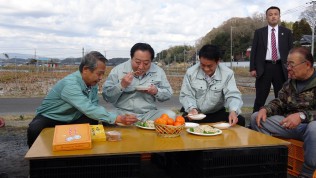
column 48, row 62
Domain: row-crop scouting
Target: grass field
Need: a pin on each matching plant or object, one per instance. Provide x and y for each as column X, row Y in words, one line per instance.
column 28, row 81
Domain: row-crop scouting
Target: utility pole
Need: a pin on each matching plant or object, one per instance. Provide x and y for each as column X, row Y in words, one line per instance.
column 313, row 34
column 36, row 60
column 313, row 26
column 82, row 55
column 231, row 47
column 196, row 55
column 6, row 56
column 184, row 55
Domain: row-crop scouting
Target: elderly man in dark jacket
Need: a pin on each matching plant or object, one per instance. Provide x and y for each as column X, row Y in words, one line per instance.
column 293, row 113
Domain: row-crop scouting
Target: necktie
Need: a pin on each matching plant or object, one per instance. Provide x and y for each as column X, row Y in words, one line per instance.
column 273, row 46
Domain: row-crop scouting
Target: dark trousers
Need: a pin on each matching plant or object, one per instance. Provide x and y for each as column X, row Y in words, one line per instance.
column 272, row 74
column 40, row 122
column 219, row 116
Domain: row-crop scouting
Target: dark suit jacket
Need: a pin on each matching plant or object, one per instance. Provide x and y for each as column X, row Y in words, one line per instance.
column 259, row 48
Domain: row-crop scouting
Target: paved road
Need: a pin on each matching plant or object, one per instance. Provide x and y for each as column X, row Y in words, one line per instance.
column 28, row 105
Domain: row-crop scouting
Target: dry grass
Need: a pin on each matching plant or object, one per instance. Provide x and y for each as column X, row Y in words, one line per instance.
column 241, row 71
column 37, row 83
column 31, row 83
column 14, row 120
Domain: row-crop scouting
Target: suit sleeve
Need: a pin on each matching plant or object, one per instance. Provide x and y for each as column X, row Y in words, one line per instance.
column 254, row 51
column 290, row 41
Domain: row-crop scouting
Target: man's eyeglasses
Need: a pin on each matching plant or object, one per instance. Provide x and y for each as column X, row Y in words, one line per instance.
column 291, row 66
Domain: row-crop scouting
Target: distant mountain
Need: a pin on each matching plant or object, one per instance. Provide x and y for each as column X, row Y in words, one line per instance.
column 24, row 58
column 77, row 61
column 71, row 61
column 16, row 55
column 116, row 61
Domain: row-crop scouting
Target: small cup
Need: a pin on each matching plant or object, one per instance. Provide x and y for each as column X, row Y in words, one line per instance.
column 113, row 136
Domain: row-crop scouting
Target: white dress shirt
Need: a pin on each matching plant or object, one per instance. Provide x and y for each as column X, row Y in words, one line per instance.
column 269, row 47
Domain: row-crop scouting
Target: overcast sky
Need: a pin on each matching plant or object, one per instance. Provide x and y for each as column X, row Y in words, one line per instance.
column 61, row 28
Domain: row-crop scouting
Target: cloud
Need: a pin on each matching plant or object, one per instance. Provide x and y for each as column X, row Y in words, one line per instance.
column 62, row 28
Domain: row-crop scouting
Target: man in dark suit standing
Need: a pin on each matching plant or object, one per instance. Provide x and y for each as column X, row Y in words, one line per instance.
column 270, row 47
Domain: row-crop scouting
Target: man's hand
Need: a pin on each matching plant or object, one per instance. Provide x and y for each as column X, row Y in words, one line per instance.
column 152, row 90
column 262, row 115
column 126, row 119
column 253, row 73
column 291, row 121
column 233, row 119
column 193, row 111
column 127, row 79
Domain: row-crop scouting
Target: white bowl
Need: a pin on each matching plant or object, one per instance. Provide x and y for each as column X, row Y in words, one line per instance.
column 121, row 124
column 222, row 125
column 141, row 88
column 191, row 124
column 197, row 116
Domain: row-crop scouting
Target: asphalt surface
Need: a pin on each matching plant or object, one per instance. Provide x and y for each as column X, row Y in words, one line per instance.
column 29, row 105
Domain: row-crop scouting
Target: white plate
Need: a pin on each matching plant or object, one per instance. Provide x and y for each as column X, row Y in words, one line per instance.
column 141, row 88
column 197, row 116
column 121, row 124
column 191, row 125
column 195, row 133
column 222, row 125
column 148, row 128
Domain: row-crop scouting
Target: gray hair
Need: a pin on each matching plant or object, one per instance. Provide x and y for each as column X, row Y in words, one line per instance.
column 305, row 52
column 90, row 60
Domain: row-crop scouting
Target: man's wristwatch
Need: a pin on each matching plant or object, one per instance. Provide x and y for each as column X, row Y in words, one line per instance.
column 302, row 116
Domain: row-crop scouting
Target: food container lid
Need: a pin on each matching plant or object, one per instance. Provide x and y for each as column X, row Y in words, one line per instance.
column 113, row 135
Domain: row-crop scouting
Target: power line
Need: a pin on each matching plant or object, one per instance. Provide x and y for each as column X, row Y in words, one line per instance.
column 293, row 10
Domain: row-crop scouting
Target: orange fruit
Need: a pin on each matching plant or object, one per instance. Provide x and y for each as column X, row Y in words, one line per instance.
column 161, row 121
column 164, row 116
column 156, row 120
column 180, row 119
column 177, row 123
column 170, row 121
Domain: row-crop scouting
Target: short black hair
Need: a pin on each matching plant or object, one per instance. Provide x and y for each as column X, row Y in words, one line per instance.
column 91, row 59
column 210, row 52
column 143, row 47
column 273, row 7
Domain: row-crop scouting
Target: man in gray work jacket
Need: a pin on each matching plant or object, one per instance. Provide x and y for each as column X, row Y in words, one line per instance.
column 209, row 87
column 134, row 86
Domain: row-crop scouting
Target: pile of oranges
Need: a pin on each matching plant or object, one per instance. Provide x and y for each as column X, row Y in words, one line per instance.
column 164, row 119
column 168, row 127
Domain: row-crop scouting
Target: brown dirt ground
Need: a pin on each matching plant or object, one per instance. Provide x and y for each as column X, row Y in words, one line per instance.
column 13, row 148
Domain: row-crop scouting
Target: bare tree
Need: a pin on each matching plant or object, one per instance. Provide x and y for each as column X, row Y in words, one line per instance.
column 309, row 15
